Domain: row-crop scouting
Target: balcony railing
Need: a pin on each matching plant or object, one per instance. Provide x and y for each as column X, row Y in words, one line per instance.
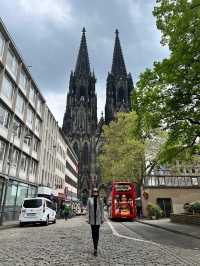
column 172, row 181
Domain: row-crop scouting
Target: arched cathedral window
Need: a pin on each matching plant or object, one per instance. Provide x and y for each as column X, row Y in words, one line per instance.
column 121, row 95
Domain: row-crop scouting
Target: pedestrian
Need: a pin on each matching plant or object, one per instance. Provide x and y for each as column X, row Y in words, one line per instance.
column 66, row 211
column 95, row 216
column 139, row 207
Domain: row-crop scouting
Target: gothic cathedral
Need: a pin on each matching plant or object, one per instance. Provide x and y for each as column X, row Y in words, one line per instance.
column 80, row 119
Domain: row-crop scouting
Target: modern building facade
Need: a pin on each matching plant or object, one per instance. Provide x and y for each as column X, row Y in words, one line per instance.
column 21, row 118
column 33, row 149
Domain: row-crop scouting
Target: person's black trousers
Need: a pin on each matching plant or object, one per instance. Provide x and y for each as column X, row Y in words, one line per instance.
column 95, row 235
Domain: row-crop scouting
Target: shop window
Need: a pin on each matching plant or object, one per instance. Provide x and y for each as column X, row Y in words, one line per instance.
column 32, row 191
column 21, row 193
column 11, row 194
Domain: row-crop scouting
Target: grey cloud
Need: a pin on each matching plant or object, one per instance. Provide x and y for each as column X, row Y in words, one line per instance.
column 52, row 48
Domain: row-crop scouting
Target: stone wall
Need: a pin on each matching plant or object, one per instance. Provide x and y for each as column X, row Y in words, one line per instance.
column 185, row 219
column 178, row 197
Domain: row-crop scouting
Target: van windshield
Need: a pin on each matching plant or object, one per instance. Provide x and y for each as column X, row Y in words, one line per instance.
column 32, row 203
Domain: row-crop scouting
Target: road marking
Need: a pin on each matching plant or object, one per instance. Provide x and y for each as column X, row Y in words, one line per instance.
column 163, row 248
column 114, row 231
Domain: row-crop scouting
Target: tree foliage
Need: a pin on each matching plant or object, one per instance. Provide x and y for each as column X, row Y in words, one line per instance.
column 168, row 96
column 123, row 152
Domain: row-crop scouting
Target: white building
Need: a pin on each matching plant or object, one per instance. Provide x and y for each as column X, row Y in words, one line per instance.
column 33, row 150
column 56, row 166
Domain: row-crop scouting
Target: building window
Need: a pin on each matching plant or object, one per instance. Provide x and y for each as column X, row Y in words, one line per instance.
column 37, row 125
column 33, row 168
column 17, row 129
column 193, row 170
column 36, row 145
column 24, row 163
column 15, row 158
column 27, row 140
column 20, row 104
column 7, row 88
column 2, row 43
column 30, row 117
column 2, row 150
column 4, row 117
column 194, row 181
column 23, row 79
column 12, row 63
column 39, row 106
column 32, row 94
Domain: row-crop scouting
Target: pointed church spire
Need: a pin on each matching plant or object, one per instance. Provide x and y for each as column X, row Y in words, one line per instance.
column 118, row 65
column 82, row 64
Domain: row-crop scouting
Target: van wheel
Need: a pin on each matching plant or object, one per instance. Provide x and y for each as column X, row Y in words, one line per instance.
column 47, row 221
column 54, row 221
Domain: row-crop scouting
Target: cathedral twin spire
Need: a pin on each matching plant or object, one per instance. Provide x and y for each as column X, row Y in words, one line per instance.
column 118, row 65
column 80, row 118
column 83, row 64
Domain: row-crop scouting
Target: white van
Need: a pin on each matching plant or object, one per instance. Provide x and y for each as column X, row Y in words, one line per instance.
column 37, row 210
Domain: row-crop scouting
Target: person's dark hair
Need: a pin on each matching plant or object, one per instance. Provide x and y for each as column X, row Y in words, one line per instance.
column 95, row 191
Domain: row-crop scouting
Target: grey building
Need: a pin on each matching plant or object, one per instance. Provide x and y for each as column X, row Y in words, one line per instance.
column 21, row 118
column 33, row 149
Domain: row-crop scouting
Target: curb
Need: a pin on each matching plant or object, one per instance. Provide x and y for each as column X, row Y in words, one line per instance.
column 168, row 229
column 9, row 226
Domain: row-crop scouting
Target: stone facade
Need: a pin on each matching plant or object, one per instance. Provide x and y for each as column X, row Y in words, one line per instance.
column 80, row 123
column 178, row 196
column 80, row 119
column 119, row 85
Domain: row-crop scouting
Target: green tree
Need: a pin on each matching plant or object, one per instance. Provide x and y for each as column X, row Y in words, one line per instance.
column 168, row 96
column 123, row 152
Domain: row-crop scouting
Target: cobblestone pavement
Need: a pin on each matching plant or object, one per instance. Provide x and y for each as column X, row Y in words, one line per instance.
column 69, row 243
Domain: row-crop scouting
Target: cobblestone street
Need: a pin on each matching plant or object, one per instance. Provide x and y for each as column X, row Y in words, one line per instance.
column 69, row 243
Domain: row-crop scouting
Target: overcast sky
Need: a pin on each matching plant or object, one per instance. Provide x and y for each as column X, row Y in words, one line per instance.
column 47, row 34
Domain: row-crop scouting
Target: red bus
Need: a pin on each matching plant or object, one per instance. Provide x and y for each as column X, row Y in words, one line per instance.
column 122, row 204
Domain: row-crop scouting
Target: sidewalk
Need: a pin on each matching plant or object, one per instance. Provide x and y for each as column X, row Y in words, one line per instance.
column 11, row 224
column 166, row 224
